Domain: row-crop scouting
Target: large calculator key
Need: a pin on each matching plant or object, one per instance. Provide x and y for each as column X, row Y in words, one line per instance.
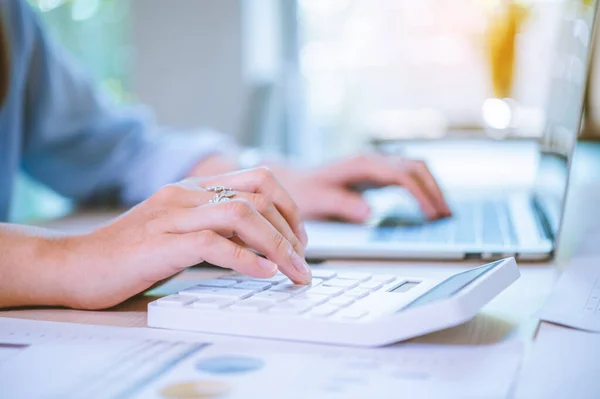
column 216, row 283
column 325, row 290
column 341, row 301
column 324, row 274
column 251, row 305
column 211, row 302
column 274, row 295
column 176, row 300
column 277, row 279
column 358, row 292
column 351, row 313
column 252, row 285
column 290, row 288
column 337, row 282
column 301, row 304
column 323, row 310
column 355, row 276
column 307, row 296
column 212, row 291
column 290, row 307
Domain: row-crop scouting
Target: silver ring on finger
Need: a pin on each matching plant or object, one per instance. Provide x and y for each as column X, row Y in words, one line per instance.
column 222, row 194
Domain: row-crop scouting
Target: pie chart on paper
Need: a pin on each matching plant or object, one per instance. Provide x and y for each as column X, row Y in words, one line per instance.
column 229, row 364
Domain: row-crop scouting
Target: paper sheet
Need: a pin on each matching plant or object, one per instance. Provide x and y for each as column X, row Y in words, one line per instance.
column 563, row 363
column 575, row 300
column 241, row 368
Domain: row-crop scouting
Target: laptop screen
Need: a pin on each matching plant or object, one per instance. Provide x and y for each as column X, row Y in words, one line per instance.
column 564, row 110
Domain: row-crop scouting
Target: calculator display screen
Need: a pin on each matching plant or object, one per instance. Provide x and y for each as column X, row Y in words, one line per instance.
column 452, row 285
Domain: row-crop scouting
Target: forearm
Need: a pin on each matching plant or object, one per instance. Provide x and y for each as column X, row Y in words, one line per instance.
column 32, row 267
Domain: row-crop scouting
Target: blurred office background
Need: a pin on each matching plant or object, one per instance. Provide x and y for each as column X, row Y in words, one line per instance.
column 315, row 79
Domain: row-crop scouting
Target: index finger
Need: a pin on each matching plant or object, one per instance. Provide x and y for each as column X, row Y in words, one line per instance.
column 423, row 173
column 239, row 218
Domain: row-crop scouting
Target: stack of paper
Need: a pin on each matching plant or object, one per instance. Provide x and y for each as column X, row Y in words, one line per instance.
column 564, row 363
column 69, row 360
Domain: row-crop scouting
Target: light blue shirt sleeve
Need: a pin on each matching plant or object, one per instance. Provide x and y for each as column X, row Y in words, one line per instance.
column 81, row 145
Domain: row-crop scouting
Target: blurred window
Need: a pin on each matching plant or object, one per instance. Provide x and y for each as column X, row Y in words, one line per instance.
column 420, row 69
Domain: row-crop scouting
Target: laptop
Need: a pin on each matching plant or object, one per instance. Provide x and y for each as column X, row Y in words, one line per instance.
column 487, row 223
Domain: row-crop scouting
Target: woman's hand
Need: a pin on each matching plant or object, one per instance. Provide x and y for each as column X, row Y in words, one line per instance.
column 177, row 227
column 327, row 192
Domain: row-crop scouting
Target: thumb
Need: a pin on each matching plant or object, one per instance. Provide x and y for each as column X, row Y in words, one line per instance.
column 342, row 204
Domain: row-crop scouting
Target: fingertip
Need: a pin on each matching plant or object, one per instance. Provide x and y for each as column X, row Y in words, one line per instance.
column 429, row 212
column 447, row 210
column 301, row 282
column 301, row 270
column 305, row 279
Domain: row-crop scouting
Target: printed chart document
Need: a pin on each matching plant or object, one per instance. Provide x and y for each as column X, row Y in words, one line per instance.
column 575, row 300
column 63, row 360
column 563, row 363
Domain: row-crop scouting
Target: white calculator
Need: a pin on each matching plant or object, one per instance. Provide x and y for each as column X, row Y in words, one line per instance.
column 339, row 307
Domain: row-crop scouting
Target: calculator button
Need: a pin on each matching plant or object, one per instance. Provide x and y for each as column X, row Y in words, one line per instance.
column 273, row 280
column 323, row 310
column 324, row 290
column 371, row 285
column 252, row 285
column 211, row 291
column 384, row 278
column 307, row 296
column 324, row 274
column 358, row 292
column 216, row 283
column 290, row 307
column 175, row 300
column 337, row 282
column 341, row 301
column 290, row 288
column 251, row 305
column 274, row 295
column 301, row 303
column 355, row 276
column 211, row 302
column 351, row 313
column 276, row 279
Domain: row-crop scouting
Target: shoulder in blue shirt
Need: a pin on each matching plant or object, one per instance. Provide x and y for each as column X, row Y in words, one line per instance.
column 57, row 126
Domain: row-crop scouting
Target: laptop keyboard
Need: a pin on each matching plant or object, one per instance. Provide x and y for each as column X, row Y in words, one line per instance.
column 473, row 223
